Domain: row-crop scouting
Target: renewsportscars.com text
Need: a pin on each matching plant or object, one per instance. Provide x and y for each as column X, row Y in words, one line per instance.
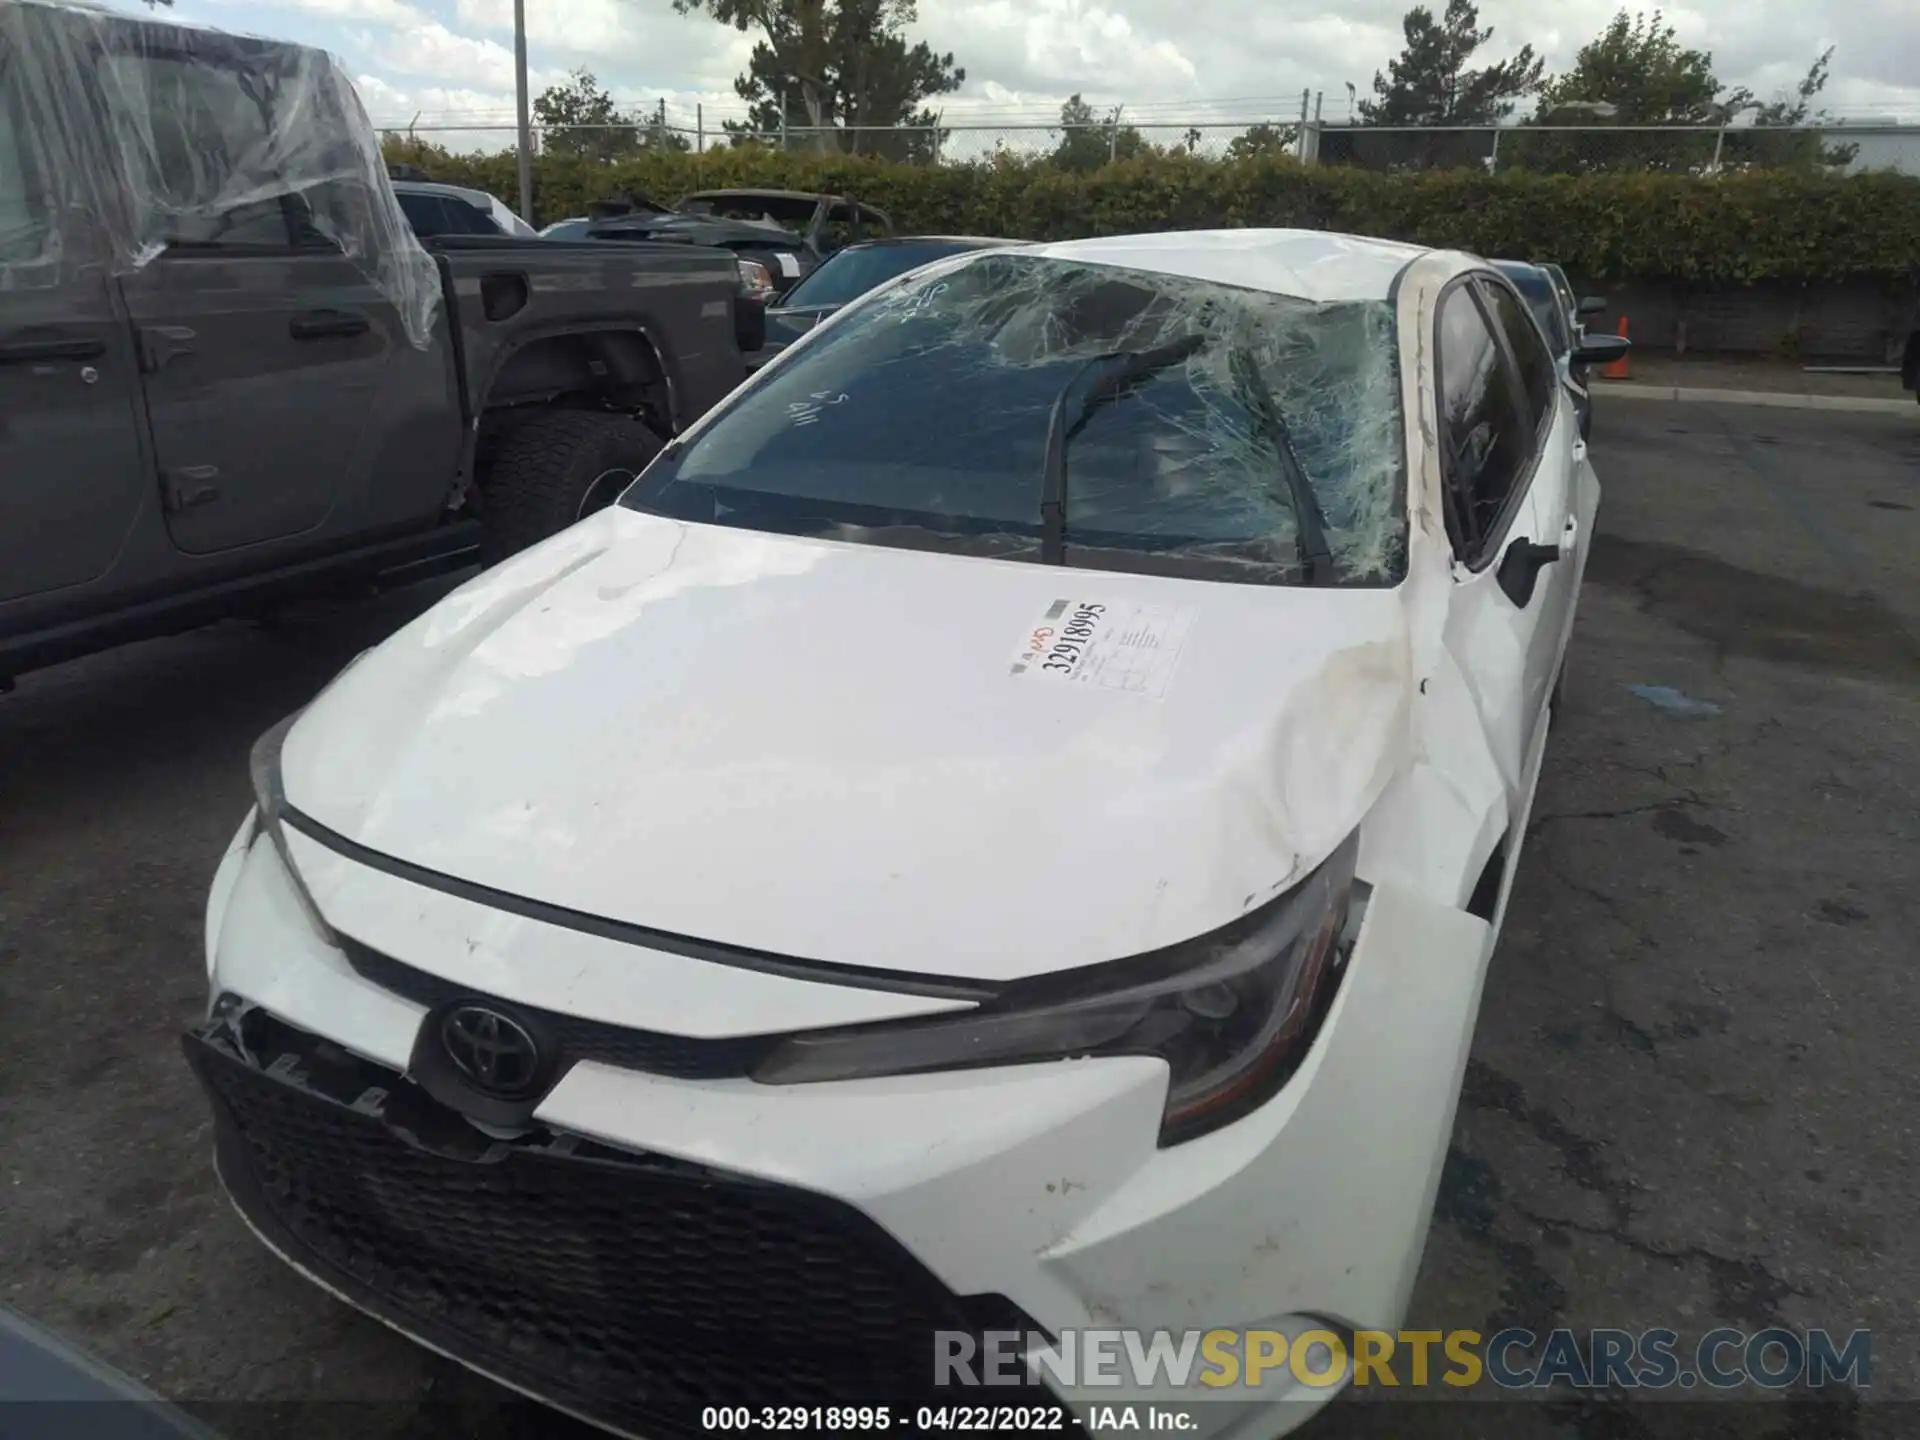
column 1514, row 1359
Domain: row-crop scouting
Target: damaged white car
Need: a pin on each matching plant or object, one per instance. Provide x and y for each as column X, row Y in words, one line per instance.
column 1001, row 829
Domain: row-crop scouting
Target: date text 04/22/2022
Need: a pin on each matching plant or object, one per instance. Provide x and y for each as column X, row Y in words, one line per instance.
column 941, row 1419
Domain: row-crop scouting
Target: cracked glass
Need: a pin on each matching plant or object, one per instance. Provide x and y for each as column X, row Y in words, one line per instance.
column 919, row 418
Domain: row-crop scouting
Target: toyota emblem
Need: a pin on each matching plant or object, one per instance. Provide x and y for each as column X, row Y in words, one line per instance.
column 494, row 1051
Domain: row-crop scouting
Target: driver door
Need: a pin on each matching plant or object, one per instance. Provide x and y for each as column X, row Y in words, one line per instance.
column 1507, row 460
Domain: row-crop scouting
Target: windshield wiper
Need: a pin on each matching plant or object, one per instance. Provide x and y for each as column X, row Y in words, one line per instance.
column 1114, row 373
column 1310, row 524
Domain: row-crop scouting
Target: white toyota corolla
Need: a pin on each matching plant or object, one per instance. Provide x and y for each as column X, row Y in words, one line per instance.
column 1002, row 827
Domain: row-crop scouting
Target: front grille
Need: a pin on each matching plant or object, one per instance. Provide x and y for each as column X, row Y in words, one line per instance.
column 681, row 1056
column 632, row 1290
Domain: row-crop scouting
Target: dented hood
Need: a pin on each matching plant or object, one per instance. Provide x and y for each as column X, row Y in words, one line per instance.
column 842, row 752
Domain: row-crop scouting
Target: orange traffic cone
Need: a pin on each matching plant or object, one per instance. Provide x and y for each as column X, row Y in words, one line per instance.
column 1617, row 370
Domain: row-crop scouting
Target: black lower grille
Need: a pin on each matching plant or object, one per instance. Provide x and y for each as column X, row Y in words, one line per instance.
column 631, row 1290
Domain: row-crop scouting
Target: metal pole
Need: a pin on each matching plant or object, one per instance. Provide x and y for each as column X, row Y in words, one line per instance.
column 520, row 101
column 1493, row 156
column 783, row 120
column 1113, row 136
column 1719, row 139
column 699, row 129
column 1318, row 100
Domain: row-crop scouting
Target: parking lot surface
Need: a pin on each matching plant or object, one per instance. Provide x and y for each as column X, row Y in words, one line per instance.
column 1691, row 1096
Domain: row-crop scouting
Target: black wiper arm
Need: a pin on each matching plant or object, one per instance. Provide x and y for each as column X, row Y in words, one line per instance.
column 1310, row 525
column 1115, row 373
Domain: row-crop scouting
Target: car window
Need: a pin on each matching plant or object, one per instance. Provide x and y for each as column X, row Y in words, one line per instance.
column 1530, row 351
column 210, row 136
column 852, row 273
column 840, row 229
column 1537, row 289
column 427, row 214
column 26, row 219
column 1183, row 474
column 431, row 214
column 566, row 230
column 1488, row 422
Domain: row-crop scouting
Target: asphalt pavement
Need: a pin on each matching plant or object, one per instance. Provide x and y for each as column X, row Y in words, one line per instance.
column 1691, row 1100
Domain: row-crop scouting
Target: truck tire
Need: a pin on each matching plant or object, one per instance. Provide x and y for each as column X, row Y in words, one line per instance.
column 554, row 468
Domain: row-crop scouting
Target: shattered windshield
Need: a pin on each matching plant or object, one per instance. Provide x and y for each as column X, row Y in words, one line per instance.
column 920, row 418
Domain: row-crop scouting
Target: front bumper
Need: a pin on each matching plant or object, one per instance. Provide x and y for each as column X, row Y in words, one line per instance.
column 681, row 1242
column 633, row 1290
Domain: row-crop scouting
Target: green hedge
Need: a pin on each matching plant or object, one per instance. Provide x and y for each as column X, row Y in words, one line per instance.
column 1761, row 225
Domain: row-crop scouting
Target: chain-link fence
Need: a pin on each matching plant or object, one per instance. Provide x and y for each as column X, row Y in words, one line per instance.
column 1559, row 149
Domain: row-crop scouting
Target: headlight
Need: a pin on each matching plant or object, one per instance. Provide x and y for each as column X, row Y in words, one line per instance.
column 270, row 796
column 1232, row 1014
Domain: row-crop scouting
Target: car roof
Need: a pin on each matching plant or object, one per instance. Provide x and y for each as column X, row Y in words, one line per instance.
column 750, row 193
column 1307, row 264
column 434, row 187
column 969, row 242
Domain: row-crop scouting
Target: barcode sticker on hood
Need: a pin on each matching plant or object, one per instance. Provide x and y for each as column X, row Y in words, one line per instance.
column 1114, row 645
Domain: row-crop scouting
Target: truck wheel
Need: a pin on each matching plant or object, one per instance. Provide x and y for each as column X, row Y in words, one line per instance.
column 553, row 469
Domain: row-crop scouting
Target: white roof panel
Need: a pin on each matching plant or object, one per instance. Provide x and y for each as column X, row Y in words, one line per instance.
column 1310, row 264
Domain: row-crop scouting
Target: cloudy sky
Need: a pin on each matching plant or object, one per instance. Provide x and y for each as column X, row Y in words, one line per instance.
column 1172, row 62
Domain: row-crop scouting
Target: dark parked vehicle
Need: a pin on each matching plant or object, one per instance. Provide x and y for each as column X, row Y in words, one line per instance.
column 1574, row 351
column 851, row 272
column 222, row 387
column 791, row 232
column 434, row 210
column 51, row 1388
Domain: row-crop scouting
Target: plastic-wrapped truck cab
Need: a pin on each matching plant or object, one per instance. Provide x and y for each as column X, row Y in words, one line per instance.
column 231, row 372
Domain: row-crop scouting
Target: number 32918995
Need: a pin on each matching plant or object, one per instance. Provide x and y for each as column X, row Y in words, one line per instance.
column 1076, row 633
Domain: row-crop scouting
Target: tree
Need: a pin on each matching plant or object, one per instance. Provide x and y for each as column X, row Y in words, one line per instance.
column 658, row 135
column 840, row 71
column 580, row 118
column 1638, row 66
column 1756, row 147
column 1263, row 139
column 1429, row 82
column 1088, row 141
column 1640, row 71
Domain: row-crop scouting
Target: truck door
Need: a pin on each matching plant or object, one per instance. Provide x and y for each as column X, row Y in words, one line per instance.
column 267, row 356
column 72, row 476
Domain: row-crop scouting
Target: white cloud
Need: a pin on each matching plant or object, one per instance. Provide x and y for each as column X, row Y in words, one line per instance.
column 1168, row 62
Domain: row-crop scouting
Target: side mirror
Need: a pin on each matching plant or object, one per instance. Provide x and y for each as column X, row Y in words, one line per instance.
column 1601, row 349
column 1592, row 304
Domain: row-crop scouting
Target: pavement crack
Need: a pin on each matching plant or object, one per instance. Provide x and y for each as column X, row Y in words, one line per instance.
column 1600, row 897
column 1672, row 802
column 1744, row 1290
column 1485, row 1088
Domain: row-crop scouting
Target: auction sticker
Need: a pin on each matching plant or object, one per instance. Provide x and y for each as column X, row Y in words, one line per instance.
column 1113, row 645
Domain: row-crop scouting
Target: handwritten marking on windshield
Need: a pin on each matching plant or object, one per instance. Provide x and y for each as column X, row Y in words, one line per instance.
column 809, row 410
column 922, row 300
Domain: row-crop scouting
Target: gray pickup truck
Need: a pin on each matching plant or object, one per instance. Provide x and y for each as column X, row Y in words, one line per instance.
column 231, row 376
